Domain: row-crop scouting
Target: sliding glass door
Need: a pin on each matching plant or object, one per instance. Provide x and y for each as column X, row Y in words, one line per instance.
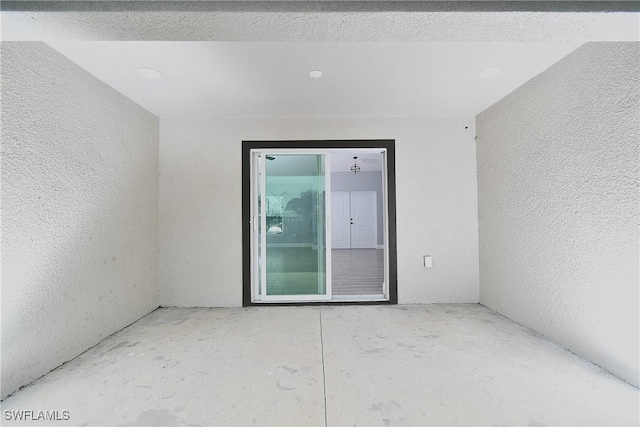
column 291, row 259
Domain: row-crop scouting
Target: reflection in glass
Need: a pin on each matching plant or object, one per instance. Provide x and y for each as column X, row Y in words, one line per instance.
column 295, row 225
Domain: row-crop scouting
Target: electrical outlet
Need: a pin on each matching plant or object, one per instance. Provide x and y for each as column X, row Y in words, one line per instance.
column 428, row 263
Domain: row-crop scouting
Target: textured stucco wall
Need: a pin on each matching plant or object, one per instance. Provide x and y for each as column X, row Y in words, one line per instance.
column 280, row 21
column 201, row 206
column 79, row 211
column 559, row 204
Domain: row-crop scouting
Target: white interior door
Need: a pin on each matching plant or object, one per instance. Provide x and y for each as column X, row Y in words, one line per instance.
column 340, row 220
column 353, row 220
column 364, row 224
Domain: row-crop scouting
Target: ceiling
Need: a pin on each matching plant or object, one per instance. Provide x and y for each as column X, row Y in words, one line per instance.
column 379, row 58
column 307, row 164
column 270, row 79
column 342, row 160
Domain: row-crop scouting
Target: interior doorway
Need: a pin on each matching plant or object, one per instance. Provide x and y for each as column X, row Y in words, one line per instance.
column 319, row 222
column 357, row 223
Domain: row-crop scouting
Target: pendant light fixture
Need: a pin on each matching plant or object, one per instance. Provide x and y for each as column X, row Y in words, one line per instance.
column 355, row 168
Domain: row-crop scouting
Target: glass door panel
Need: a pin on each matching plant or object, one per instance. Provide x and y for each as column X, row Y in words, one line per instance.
column 292, row 251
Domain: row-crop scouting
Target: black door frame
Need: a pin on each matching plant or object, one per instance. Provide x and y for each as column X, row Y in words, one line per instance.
column 388, row 144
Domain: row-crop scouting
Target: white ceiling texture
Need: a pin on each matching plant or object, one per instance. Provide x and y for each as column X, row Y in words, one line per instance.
column 378, row 59
column 257, row 79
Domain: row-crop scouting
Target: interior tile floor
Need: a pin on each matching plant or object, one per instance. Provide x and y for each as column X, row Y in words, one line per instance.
column 357, row 271
column 332, row 365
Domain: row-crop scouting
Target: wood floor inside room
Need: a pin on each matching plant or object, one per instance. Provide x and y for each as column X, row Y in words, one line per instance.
column 430, row 365
column 357, row 271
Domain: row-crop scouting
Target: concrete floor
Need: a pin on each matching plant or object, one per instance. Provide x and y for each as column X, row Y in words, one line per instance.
column 340, row 365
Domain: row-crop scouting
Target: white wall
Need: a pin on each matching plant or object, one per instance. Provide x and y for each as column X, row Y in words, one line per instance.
column 79, row 211
column 201, row 206
column 559, row 205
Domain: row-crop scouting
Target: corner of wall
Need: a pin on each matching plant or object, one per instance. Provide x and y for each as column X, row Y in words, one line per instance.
column 559, row 206
column 79, row 209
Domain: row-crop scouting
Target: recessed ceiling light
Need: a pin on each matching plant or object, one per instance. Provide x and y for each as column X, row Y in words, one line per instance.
column 149, row 73
column 315, row 74
column 490, row 73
